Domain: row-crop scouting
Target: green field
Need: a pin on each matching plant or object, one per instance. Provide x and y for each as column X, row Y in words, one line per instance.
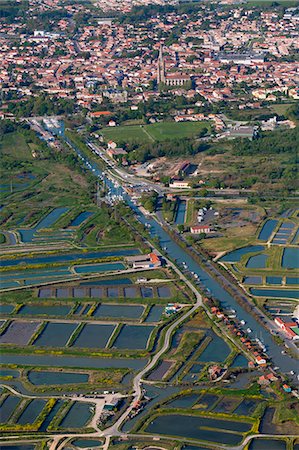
column 154, row 132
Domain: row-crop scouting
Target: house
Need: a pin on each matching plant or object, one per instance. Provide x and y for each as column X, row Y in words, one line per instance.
column 177, row 184
column 286, row 388
column 96, row 114
column 115, row 152
column 111, row 123
column 149, row 261
column 112, row 145
column 260, row 361
column 198, row 229
column 290, row 328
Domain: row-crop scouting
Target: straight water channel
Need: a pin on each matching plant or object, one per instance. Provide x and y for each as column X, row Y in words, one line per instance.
column 285, row 362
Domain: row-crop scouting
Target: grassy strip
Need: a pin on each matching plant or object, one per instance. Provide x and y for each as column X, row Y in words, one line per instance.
column 38, row 332
column 75, row 334
column 114, row 335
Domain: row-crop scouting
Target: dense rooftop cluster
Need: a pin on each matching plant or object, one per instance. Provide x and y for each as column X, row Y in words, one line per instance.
column 237, row 53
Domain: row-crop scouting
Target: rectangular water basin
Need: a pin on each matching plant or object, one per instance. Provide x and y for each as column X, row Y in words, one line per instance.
column 55, row 334
column 119, row 311
column 94, row 336
column 133, row 337
column 19, row 332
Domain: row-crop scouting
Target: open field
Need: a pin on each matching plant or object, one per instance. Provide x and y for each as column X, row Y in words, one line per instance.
column 154, row 132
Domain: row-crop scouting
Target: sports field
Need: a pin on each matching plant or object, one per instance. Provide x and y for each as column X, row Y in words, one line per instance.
column 154, row 132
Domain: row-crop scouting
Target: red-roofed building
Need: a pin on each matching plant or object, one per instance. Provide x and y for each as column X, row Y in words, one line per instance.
column 197, row 229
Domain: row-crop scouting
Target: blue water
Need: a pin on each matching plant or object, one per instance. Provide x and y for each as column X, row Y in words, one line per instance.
column 68, row 257
column 94, row 336
column 292, row 280
column 50, row 219
column 99, row 267
column 114, row 281
column 236, row 255
column 273, row 280
column 6, row 309
column 257, row 261
column 296, row 237
column 252, row 280
column 267, row 229
column 155, row 313
column 80, row 218
column 285, row 362
column 180, row 214
column 276, row 293
column 290, row 258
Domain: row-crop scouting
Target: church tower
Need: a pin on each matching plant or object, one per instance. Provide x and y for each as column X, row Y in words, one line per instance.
column 161, row 67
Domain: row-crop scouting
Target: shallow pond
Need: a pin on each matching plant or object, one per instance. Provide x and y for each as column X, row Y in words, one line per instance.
column 207, row 401
column 226, row 405
column 146, row 292
column 55, row 334
column 70, row 361
column 290, row 258
column 257, row 261
column 133, row 337
column 181, row 212
column 159, row 372
column 246, row 407
column 80, row 218
column 78, row 416
column 28, row 234
column 186, row 401
column 252, row 280
column 114, row 281
column 105, row 267
column 41, row 378
column 217, row 350
column 17, row 447
column 240, row 361
column 276, row 293
column 292, row 280
column 194, row 428
column 266, row 444
column 19, row 332
column 9, row 373
column 113, row 292
column 85, row 443
column 164, row 292
column 267, row 229
column 130, row 292
column 48, row 310
column 8, row 407
column 155, row 314
column 31, row 413
column 67, row 257
column 62, row 292
column 95, row 292
column 94, row 336
column 273, row 280
column 236, row 255
column 51, row 415
column 79, row 292
column 119, row 311
column 6, row 309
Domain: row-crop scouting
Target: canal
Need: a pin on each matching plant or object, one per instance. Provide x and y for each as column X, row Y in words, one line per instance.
column 285, row 362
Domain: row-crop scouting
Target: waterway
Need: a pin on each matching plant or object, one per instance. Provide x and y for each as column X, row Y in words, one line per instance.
column 181, row 212
column 285, row 362
column 68, row 257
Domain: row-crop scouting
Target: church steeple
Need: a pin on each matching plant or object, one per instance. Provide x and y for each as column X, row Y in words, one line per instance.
column 161, row 67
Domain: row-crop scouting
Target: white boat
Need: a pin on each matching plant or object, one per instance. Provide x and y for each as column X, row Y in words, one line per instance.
column 249, row 330
column 242, row 322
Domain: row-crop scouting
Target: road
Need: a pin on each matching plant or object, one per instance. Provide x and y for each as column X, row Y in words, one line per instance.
column 114, row 430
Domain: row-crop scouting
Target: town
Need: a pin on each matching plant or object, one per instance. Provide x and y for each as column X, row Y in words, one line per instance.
column 149, row 224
